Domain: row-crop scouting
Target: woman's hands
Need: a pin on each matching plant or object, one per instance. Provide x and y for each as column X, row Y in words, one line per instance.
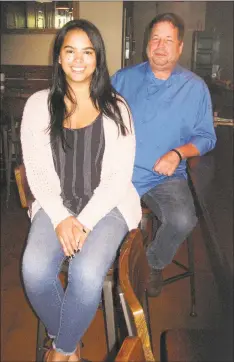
column 71, row 234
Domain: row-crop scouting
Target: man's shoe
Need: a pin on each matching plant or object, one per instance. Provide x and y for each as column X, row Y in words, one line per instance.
column 155, row 283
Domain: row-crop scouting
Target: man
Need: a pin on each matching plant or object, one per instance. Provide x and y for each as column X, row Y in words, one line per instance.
column 173, row 120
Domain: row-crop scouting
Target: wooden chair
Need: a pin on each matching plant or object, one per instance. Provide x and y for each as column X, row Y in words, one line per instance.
column 25, row 194
column 131, row 351
column 133, row 277
column 147, row 224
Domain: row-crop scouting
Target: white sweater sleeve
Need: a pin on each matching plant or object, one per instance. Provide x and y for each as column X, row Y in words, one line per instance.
column 38, row 160
column 116, row 174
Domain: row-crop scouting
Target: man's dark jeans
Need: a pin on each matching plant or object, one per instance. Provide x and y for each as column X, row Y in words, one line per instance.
column 172, row 203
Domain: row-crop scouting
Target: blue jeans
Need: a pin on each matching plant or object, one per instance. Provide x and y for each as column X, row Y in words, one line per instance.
column 67, row 314
column 172, row 203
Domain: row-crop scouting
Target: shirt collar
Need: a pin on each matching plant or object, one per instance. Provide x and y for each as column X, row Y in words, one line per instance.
column 153, row 80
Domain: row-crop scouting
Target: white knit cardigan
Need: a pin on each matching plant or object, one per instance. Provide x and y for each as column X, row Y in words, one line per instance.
column 115, row 188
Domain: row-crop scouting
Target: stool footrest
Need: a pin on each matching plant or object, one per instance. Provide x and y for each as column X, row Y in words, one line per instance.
column 177, row 277
column 182, row 266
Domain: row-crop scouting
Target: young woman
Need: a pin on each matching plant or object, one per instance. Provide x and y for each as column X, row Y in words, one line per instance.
column 78, row 147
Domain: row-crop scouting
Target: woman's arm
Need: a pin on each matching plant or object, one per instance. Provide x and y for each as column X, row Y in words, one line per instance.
column 117, row 169
column 38, row 160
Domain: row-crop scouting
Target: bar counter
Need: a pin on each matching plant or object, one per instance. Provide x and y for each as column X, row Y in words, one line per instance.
column 211, row 179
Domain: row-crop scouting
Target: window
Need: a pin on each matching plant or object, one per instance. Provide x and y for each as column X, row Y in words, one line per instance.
column 37, row 16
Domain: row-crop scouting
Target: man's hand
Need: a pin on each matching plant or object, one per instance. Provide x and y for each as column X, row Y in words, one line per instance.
column 71, row 235
column 167, row 164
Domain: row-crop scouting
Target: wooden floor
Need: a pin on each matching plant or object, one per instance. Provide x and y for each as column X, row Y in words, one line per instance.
column 171, row 309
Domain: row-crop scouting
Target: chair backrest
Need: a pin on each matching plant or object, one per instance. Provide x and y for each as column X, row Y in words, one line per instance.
column 146, row 224
column 131, row 351
column 133, row 278
column 25, row 194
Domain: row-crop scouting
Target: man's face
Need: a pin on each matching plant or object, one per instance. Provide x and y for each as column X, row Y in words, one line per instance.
column 164, row 48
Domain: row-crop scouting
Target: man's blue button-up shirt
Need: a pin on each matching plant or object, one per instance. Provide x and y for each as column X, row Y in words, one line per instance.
column 167, row 114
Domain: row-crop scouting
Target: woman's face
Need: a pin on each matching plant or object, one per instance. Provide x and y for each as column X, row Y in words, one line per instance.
column 77, row 57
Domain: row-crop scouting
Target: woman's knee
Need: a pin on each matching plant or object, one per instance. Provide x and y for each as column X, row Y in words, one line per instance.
column 34, row 269
column 86, row 278
column 39, row 267
column 43, row 253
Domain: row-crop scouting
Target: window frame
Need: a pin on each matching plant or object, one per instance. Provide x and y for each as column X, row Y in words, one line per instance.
column 52, row 30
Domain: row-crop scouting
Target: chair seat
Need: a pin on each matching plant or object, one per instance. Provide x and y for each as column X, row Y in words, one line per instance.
column 192, row 345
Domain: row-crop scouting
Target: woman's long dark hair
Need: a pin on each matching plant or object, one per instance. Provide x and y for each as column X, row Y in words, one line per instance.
column 103, row 95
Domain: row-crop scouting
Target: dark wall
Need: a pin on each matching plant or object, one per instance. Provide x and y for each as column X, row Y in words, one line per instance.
column 219, row 19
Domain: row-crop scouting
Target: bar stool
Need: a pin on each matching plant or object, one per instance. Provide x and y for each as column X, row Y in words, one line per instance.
column 148, row 220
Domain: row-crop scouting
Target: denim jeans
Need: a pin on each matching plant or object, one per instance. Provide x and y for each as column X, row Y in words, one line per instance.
column 67, row 314
column 172, row 203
